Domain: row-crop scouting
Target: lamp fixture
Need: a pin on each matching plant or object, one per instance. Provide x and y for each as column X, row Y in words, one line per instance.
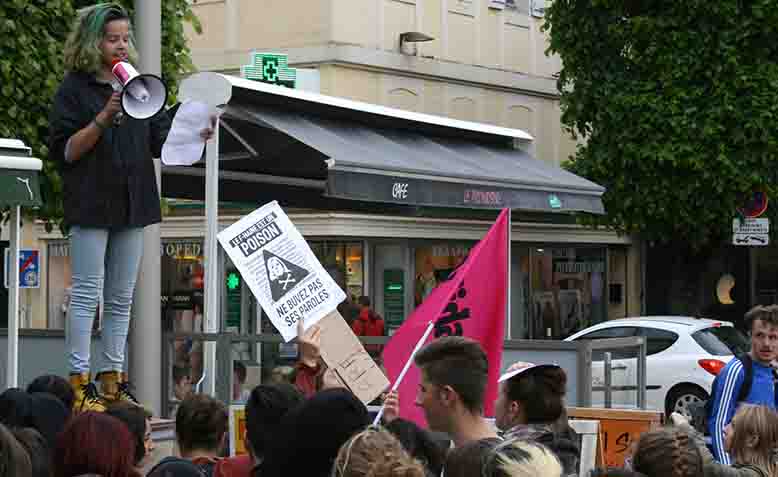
column 413, row 37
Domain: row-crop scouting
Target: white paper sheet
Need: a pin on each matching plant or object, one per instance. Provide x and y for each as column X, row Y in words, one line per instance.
column 184, row 146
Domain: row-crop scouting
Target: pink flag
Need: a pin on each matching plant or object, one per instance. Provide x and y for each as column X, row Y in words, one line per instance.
column 470, row 303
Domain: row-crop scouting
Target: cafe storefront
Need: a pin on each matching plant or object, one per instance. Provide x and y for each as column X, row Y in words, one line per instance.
column 390, row 202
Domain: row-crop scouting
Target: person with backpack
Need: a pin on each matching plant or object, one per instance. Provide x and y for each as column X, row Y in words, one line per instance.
column 747, row 378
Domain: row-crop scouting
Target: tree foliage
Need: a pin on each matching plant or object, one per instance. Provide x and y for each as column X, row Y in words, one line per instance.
column 677, row 102
column 32, row 38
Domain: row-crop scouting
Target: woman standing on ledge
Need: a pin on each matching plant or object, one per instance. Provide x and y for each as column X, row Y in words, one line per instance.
column 110, row 195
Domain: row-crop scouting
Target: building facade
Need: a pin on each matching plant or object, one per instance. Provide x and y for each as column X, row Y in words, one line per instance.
column 485, row 63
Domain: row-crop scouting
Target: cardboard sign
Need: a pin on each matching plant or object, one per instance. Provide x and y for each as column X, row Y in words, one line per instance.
column 344, row 353
column 619, row 430
column 280, row 269
column 291, row 285
column 237, row 423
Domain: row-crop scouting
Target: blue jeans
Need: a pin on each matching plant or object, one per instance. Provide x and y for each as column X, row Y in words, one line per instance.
column 103, row 262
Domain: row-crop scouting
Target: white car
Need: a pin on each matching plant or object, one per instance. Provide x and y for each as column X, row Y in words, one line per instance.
column 683, row 355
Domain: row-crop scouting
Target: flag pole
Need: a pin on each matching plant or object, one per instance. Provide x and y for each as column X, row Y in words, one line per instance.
column 508, row 281
column 405, row 369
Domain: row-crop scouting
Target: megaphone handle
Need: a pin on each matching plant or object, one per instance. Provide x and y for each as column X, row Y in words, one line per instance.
column 117, row 119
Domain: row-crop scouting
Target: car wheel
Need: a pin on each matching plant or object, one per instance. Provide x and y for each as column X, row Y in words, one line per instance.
column 682, row 397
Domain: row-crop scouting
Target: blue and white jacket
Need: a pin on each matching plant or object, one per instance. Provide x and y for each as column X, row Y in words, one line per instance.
column 725, row 402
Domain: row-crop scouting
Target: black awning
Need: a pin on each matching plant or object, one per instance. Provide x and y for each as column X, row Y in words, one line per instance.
column 297, row 147
column 399, row 166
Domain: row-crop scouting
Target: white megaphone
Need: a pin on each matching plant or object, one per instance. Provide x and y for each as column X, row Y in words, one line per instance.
column 143, row 96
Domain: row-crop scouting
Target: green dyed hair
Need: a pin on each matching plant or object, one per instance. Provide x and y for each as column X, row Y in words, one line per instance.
column 82, row 49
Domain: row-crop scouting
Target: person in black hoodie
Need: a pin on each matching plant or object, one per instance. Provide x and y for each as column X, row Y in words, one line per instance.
column 310, row 435
column 530, row 405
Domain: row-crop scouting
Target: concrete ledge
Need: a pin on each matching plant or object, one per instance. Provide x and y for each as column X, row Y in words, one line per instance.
column 230, row 61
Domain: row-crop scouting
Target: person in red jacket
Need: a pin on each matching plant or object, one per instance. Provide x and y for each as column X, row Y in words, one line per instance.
column 368, row 323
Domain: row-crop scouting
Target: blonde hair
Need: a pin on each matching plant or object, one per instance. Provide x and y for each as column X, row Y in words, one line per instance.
column 667, row 453
column 519, row 458
column 375, row 452
column 761, row 423
column 82, row 48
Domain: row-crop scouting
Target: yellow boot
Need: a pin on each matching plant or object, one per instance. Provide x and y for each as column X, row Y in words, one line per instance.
column 115, row 387
column 87, row 397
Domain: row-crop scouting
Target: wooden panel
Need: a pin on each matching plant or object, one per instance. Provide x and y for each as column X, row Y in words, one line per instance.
column 619, row 429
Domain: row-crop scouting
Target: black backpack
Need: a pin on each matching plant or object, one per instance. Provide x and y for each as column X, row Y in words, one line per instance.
column 701, row 411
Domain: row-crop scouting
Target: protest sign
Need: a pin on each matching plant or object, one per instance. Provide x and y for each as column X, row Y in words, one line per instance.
column 344, row 353
column 619, row 430
column 291, row 285
column 280, row 269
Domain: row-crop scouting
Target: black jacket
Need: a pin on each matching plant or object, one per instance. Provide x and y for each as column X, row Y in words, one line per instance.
column 113, row 185
column 564, row 443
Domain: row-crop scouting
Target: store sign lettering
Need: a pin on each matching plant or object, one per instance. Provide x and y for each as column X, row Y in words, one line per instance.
column 169, row 249
column 450, row 250
column 483, row 197
column 400, row 190
column 181, row 249
column 579, row 267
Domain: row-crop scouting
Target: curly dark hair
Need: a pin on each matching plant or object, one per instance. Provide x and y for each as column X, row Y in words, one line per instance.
column 201, row 422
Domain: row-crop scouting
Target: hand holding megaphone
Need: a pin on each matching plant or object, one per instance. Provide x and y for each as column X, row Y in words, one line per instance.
column 142, row 96
column 111, row 111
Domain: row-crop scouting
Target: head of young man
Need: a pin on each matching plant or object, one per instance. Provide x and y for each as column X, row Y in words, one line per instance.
column 534, row 396
column 453, row 381
column 764, row 333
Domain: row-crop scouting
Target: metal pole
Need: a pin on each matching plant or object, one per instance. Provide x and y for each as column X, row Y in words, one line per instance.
column 641, row 378
column 146, row 330
column 211, row 255
column 12, row 371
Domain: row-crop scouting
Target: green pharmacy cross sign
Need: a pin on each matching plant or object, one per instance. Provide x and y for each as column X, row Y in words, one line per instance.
column 233, row 281
column 270, row 68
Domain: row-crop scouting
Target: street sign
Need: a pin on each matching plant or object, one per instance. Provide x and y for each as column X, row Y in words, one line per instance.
column 29, row 268
column 752, row 232
column 756, row 205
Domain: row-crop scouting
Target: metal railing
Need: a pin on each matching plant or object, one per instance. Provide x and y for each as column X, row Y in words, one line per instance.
column 608, row 346
column 576, row 359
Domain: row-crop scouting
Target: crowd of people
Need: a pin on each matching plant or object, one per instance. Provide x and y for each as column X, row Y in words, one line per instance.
column 324, row 430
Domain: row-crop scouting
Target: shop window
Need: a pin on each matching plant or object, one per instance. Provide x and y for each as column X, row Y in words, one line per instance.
column 568, row 290
column 520, row 293
column 59, row 280
column 181, row 291
column 58, row 286
column 343, row 261
column 434, row 263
